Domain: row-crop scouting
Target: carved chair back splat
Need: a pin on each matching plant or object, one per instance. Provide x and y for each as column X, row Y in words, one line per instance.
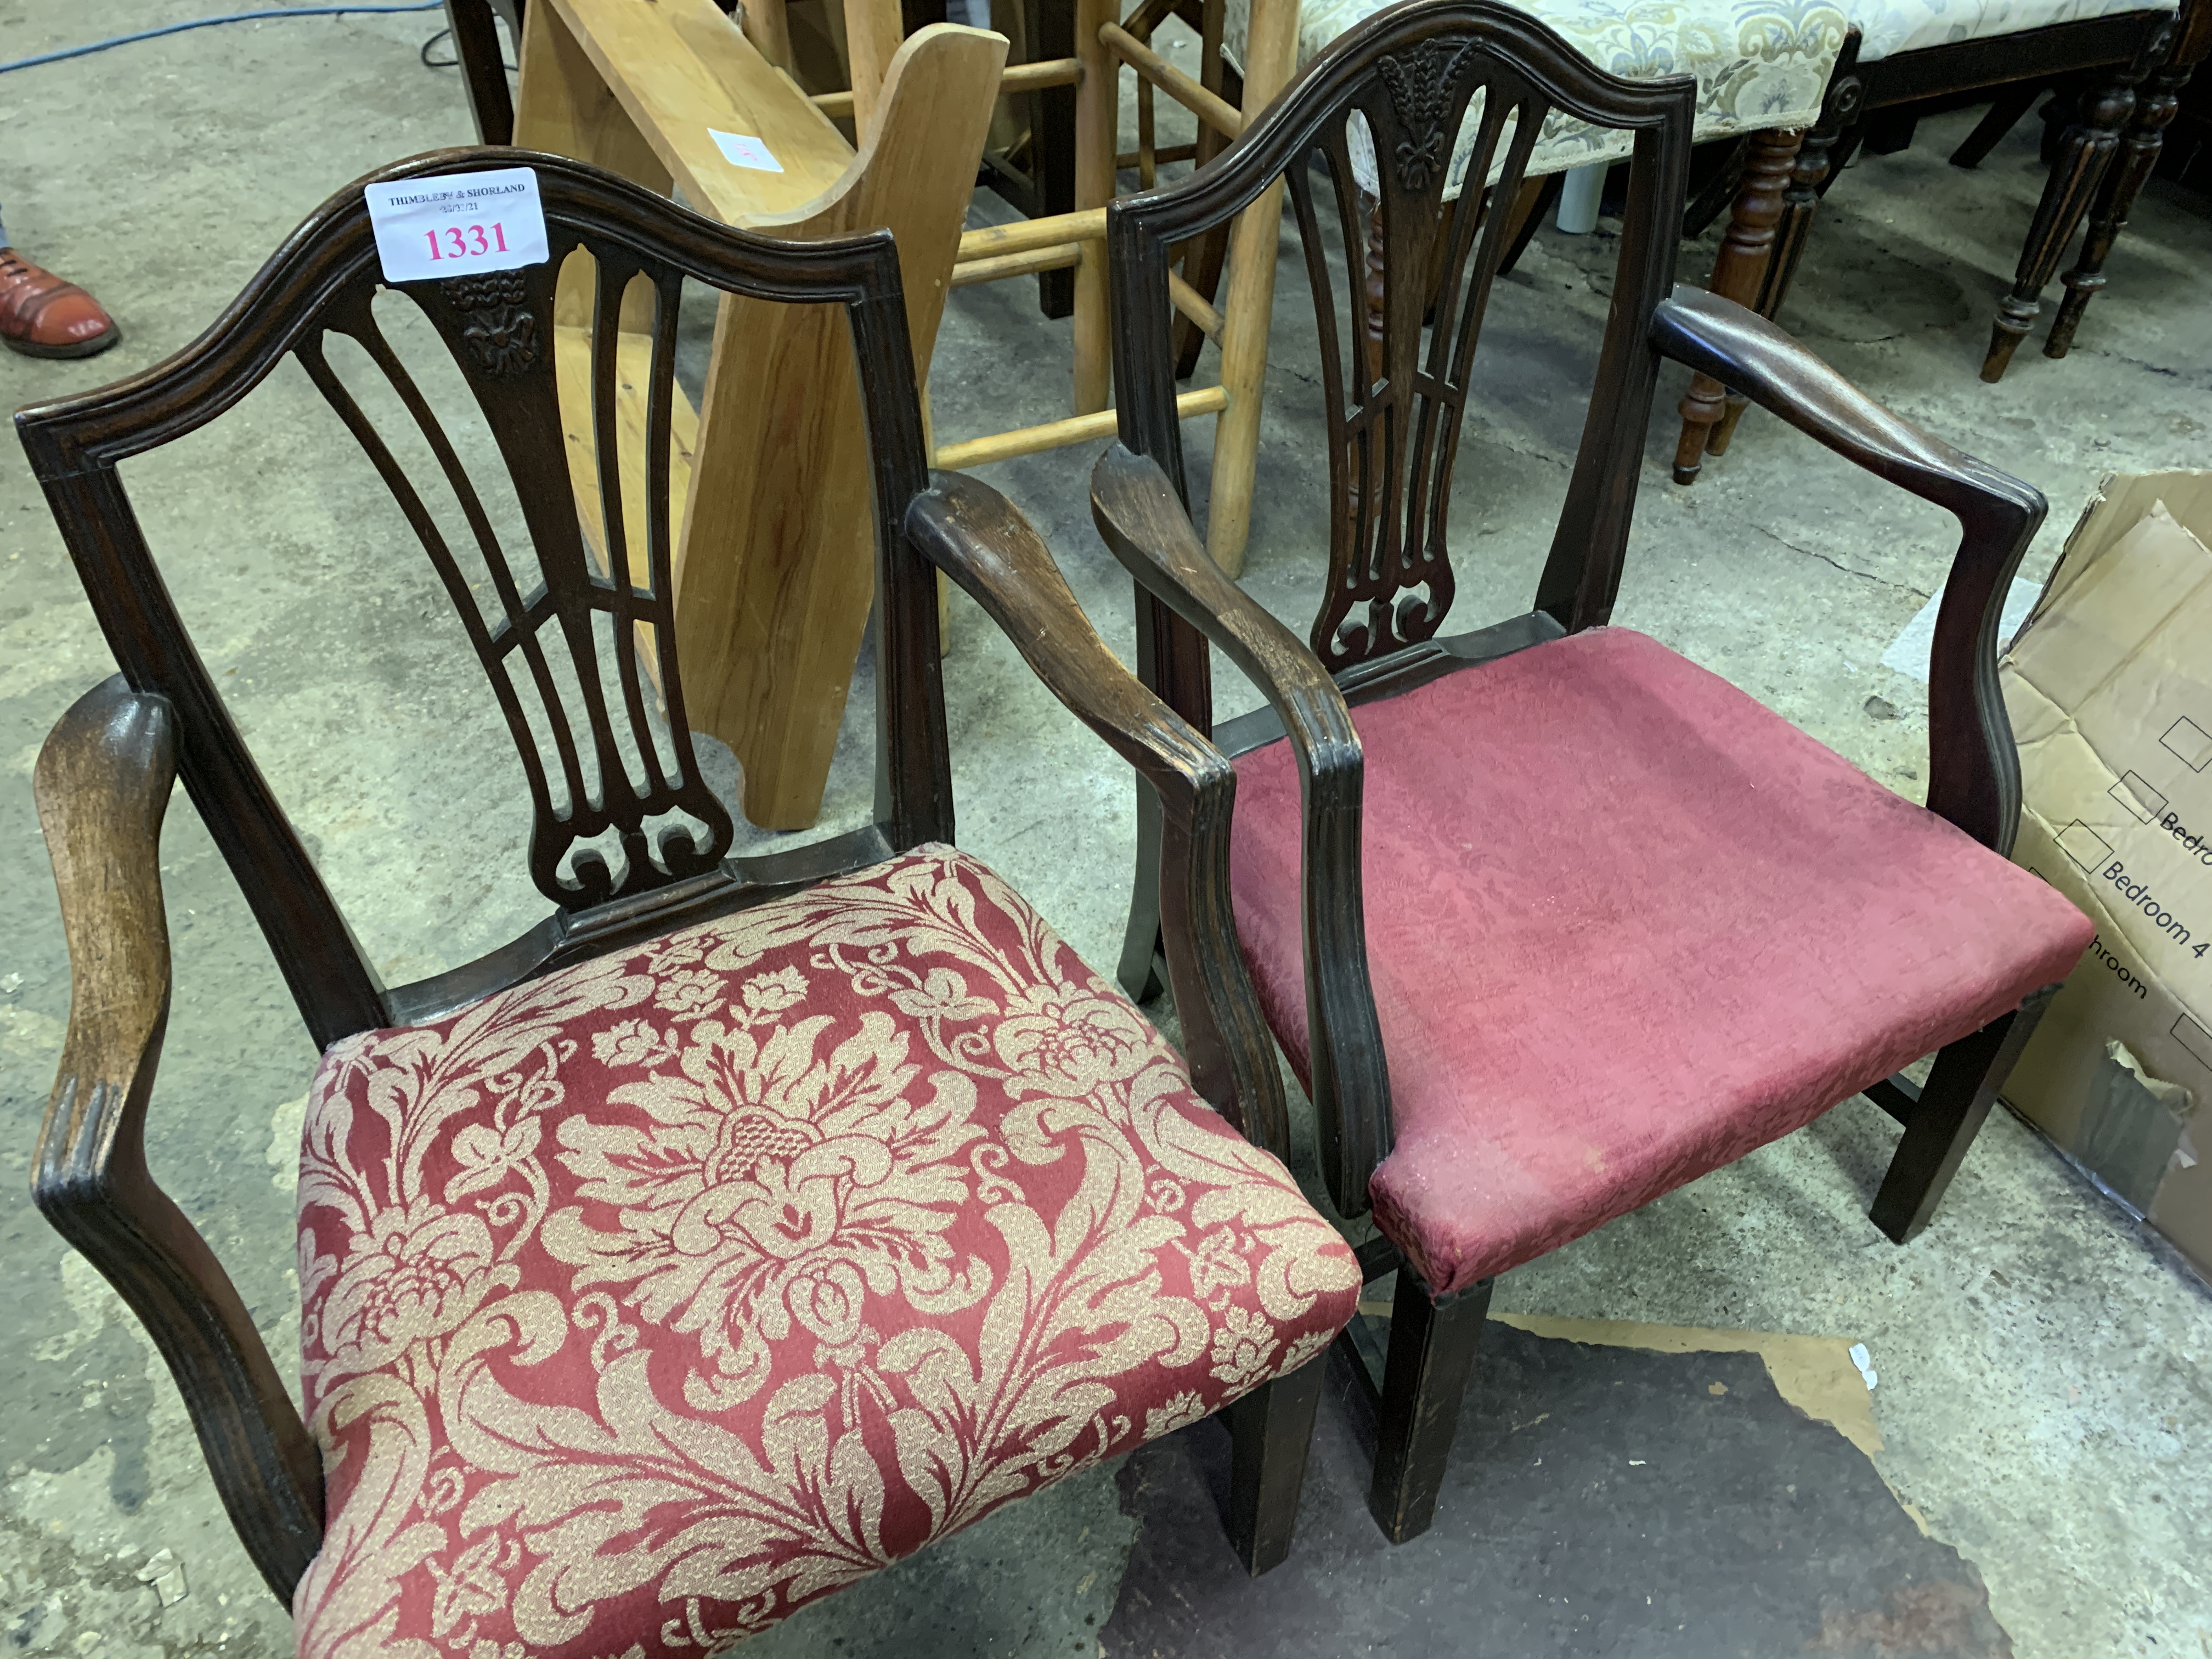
column 1394, row 406
column 607, row 771
column 1398, row 88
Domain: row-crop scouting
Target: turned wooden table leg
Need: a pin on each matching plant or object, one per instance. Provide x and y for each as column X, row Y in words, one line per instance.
column 2085, row 153
column 1800, row 203
column 2155, row 108
column 1738, row 271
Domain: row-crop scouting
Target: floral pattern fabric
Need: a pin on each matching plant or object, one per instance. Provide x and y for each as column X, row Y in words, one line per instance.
column 1760, row 64
column 650, row 1300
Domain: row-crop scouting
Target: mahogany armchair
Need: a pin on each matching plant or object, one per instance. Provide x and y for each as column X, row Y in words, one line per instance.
column 749, row 1223
column 1549, row 920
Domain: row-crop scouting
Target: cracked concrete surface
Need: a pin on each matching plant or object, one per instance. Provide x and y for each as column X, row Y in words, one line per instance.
column 2046, row 1378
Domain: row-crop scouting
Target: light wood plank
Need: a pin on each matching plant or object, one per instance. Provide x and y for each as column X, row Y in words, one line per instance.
column 564, row 108
column 777, row 570
column 769, row 30
column 874, row 31
column 775, row 561
column 679, row 67
column 572, row 361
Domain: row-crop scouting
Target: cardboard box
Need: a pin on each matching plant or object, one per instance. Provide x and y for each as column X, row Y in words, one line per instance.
column 2109, row 685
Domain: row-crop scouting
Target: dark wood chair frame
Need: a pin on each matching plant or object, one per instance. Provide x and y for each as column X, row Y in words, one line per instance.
column 1872, row 106
column 104, row 779
column 483, row 66
column 1393, row 430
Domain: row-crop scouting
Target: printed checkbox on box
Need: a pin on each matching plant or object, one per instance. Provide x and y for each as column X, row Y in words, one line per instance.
column 2134, row 792
column 2187, row 739
column 2085, row 846
column 2194, row 1038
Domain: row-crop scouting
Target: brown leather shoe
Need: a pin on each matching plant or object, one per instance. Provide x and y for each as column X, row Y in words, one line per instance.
column 43, row 316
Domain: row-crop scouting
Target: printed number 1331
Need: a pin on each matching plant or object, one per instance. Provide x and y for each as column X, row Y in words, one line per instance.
column 463, row 241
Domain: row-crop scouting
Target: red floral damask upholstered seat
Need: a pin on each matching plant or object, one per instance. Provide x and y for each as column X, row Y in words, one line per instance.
column 1625, row 925
column 647, row 1301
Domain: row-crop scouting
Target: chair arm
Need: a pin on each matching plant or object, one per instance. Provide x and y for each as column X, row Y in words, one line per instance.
column 1974, row 767
column 103, row 784
column 978, row 539
column 1142, row 519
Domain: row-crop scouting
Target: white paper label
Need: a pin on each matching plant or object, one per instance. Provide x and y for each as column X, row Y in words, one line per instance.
column 740, row 151
column 458, row 223
column 1864, row 1361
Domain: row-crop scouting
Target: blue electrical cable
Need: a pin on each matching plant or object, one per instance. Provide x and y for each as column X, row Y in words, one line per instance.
column 209, row 22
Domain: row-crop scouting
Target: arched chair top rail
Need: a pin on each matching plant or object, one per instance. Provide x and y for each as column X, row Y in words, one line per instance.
column 335, row 244
column 674, row 835
column 1269, row 144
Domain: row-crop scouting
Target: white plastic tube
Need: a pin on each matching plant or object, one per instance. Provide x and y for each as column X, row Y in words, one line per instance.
column 1578, row 198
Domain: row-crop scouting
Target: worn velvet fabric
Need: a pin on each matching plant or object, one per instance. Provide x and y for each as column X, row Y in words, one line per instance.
column 654, row 1298
column 1625, row 925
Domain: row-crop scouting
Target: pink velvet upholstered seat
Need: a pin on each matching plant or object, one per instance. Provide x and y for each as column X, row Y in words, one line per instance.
column 1625, row 925
column 650, row 1300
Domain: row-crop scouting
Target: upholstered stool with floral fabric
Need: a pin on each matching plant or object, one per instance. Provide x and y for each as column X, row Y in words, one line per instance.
column 684, row 1286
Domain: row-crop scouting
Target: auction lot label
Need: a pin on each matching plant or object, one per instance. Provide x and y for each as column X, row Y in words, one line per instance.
column 457, row 224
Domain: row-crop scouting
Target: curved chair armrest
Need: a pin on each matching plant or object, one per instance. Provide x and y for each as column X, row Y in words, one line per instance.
column 980, row 539
column 103, row 784
column 1139, row 513
column 1974, row 767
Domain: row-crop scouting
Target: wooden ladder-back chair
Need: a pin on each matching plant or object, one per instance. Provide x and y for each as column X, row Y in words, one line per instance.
column 748, row 1223
column 1625, row 925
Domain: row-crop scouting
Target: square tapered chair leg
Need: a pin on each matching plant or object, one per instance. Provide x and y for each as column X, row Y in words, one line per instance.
column 1960, row 1090
column 1431, row 1356
column 1272, row 1428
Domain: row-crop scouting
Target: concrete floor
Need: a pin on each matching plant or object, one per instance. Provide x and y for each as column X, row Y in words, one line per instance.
column 2046, row 1375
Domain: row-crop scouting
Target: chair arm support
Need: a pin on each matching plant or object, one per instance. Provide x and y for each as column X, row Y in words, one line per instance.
column 1974, row 767
column 103, row 782
column 978, row 539
column 1142, row 519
